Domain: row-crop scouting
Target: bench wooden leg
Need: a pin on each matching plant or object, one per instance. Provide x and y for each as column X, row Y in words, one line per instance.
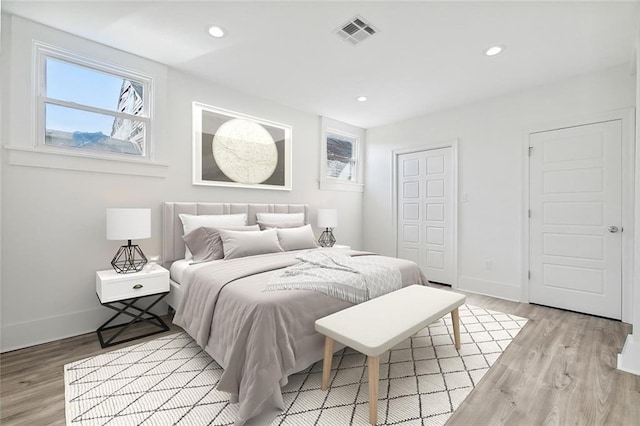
column 326, row 363
column 374, row 374
column 455, row 319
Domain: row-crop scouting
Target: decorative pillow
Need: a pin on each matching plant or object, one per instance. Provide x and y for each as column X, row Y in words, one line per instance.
column 193, row 221
column 269, row 225
column 205, row 244
column 280, row 220
column 297, row 238
column 240, row 244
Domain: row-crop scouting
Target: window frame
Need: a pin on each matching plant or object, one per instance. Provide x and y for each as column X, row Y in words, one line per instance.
column 328, row 183
column 354, row 156
column 42, row 52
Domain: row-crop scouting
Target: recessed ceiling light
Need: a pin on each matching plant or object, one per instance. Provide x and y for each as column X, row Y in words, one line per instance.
column 216, row 31
column 361, row 98
column 493, row 50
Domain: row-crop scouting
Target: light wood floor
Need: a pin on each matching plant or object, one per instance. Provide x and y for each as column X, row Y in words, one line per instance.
column 560, row 370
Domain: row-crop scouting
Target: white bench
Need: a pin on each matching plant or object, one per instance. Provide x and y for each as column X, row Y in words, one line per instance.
column 375, row 326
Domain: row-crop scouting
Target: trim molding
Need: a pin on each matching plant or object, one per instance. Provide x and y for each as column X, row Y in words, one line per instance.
column 629, row 358
column 32, row 157
column 489, row 288
column 43, row 330
column 328, row 184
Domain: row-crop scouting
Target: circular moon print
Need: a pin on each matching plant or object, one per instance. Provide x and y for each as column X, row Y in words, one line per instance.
column 244, row 151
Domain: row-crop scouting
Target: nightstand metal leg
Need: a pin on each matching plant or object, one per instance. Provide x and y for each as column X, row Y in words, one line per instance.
column 137, row 318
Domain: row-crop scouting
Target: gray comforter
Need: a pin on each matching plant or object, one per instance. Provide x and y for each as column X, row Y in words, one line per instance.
column 259, row 338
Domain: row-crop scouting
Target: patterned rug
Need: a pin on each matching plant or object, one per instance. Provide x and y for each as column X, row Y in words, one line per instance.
column 170, row 380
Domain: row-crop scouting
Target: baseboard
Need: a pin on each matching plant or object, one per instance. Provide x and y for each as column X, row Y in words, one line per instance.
column 44, row 330
column 629, row 358
column 489, row 288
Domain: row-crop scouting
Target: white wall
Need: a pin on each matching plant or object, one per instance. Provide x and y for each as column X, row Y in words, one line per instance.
column 629, row 359
column 490, row 170
column 53, row 220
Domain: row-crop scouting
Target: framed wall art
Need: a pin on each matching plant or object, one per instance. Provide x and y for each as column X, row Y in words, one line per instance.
column 237, row 150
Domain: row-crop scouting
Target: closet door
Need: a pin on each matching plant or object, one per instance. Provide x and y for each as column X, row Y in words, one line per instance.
column 426, row 212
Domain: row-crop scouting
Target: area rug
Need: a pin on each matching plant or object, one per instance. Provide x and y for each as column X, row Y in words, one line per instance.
column 171, row 380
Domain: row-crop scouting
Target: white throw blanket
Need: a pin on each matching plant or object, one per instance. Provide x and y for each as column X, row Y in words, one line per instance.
column 352, row 279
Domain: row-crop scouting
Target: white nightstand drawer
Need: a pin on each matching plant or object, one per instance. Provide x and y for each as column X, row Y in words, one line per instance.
column 112, row 286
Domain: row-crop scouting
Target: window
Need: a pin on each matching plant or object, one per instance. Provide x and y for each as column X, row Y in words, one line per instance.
column 90, row 107
column 341, row 156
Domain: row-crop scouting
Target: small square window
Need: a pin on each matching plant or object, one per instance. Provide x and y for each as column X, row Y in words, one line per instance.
column 341, row 156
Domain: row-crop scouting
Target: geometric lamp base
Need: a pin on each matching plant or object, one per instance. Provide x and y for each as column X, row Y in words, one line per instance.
column 326, row 238
column 128, row 259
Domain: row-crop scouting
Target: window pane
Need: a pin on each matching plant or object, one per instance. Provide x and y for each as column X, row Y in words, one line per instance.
column 340, row 161
column 73, row 128
column 74, row 83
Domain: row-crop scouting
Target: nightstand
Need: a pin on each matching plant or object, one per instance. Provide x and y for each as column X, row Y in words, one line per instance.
column 123, row 292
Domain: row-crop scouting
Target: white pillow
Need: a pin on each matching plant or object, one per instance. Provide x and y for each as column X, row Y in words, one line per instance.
column 267, row 225
column 193, row 221
column 248, row 243
column 276, row 218
column 280, row 220
column 297, row 238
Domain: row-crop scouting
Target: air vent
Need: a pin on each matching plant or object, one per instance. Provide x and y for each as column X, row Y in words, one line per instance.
column 356, row 30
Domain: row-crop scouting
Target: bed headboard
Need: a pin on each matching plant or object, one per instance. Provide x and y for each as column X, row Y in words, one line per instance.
column 172, row 244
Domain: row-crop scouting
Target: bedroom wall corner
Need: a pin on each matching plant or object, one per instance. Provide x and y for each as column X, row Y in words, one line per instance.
column 53, row 212
column 54, row 218
column 185, row 88
column 629, row 358
column 4, row 47
column 490, row 170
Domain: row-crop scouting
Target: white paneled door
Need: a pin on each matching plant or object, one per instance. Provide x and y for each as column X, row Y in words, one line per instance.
column 425, row 212
column 575, row 228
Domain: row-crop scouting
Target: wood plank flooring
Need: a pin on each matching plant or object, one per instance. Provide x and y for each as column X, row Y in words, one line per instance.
column 560, row 370
column 32, row 379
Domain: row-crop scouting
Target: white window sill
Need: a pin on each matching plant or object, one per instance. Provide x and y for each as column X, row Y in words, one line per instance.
column 338, row 185
column 59, row 159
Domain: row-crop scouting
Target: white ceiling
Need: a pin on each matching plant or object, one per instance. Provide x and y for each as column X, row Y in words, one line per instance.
column 428, row 56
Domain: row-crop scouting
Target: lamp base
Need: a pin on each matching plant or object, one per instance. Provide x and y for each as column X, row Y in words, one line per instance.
column 326, row 238
column 128, row 259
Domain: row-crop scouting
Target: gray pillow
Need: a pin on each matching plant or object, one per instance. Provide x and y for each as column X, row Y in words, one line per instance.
column 205, row 243
column 192, row 221
column 240, row 244
column 297, row 238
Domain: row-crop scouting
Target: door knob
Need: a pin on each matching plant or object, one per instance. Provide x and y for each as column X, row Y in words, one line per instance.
column 613, row 229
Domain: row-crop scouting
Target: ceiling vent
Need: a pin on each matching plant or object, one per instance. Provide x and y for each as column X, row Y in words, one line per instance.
column 356, row 30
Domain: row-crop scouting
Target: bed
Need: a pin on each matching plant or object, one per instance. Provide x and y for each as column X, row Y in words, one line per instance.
column 258, row 337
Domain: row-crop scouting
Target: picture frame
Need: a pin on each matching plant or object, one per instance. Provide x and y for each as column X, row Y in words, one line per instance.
column 238, row 150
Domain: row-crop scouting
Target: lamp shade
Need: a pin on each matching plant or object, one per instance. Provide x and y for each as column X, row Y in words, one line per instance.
column 327, row 218
column 128, row 224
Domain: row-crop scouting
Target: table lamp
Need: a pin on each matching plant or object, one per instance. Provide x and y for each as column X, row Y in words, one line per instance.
column 327, row 219
column 128, row 224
